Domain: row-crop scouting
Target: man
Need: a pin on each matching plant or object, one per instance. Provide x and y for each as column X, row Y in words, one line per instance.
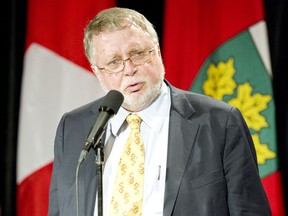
column 199, row 156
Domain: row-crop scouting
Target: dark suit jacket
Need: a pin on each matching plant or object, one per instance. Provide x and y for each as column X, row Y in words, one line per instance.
column 211, row 162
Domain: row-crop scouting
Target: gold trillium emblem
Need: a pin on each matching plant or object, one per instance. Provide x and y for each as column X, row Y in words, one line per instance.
column 220, row 83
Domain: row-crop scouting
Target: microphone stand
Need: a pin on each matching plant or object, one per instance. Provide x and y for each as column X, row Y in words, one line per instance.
column 99, row 160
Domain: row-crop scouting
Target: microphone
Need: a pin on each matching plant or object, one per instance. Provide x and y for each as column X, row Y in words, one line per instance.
column 111, row 104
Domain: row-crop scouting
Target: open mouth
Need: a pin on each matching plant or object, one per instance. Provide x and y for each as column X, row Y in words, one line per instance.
column 134, row 87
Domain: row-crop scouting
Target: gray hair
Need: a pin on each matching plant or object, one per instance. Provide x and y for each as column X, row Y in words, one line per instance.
column 114, row 19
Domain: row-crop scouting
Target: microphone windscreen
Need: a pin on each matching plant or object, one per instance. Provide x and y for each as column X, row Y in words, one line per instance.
column 112, row 101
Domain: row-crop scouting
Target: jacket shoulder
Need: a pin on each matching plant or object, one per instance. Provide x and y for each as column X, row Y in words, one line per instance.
column 83, row 110
column 202, row 102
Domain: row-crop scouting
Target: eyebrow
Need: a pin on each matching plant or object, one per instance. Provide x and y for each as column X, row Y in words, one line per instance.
column 131, row 51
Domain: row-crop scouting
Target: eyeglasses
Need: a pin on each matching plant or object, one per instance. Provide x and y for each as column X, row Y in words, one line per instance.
column 118, row 65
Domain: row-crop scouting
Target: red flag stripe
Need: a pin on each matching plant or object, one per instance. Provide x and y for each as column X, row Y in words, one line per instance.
column 58, row 25
column 193, row 29
column 32, row 197
column 274, row 190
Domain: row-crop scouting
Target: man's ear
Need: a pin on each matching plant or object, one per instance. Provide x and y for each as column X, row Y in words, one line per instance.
column 158, row 50
column 93, row 69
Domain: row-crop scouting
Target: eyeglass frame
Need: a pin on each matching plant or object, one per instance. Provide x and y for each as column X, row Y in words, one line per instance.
column 123, row 63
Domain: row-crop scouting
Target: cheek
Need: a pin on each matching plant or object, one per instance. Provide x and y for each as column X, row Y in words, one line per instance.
column 157, row 73
column 110, row 82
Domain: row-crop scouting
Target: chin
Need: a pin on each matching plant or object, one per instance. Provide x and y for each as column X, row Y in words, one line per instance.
column 138, row 102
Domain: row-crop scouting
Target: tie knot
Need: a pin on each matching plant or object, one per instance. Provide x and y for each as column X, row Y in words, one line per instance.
column 133, row 121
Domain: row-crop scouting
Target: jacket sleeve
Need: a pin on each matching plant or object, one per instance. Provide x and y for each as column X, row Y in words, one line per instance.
column 246, row 195
column 53, row 209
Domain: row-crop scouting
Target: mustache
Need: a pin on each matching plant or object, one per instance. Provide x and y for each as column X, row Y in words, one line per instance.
column 131, row 81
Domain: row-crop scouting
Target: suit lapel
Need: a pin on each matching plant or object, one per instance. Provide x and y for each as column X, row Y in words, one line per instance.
column 182, row 132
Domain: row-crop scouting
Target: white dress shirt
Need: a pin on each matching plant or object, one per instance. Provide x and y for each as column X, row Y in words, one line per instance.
column 154, row 131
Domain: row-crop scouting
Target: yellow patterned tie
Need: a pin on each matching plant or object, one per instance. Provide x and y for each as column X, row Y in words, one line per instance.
column 128, row 189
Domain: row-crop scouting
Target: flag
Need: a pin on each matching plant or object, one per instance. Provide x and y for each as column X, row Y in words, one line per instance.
column 56, row 78
column 220, row 48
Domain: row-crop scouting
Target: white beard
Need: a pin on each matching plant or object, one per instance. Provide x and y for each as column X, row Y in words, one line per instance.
column 136, row 104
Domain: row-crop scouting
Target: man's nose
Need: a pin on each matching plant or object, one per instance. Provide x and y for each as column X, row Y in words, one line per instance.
column 129, row 67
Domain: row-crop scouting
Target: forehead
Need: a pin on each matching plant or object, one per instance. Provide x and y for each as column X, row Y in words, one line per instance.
column 121, row 40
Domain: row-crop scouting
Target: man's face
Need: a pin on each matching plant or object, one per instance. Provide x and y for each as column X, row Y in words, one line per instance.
column 139, row 84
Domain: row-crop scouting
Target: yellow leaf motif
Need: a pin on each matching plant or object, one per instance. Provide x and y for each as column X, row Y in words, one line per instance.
column 220, row 80
column 262, row 150
column 251, row 106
